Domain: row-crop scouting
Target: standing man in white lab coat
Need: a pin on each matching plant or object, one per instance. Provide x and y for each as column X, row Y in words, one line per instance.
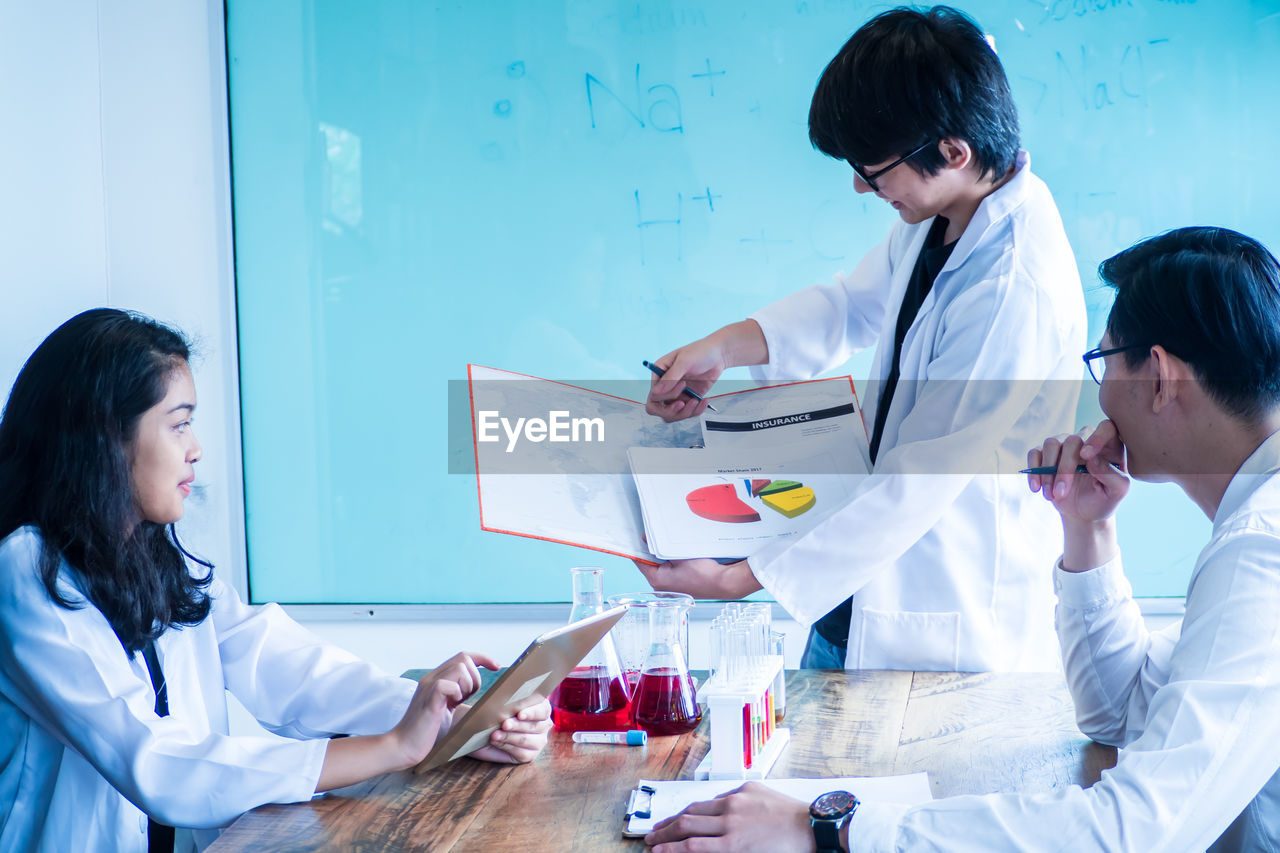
column 936, row 561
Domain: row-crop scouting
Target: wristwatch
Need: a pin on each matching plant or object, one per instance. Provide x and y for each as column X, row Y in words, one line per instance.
column 827, row 814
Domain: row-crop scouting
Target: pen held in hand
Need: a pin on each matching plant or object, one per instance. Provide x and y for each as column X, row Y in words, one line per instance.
column 1052, row 470
column 694, row 394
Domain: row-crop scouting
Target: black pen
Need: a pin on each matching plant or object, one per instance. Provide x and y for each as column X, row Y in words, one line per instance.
column 692, row 393
column 1052, row 470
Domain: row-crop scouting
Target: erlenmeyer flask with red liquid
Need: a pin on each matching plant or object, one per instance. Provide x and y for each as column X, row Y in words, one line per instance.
column 665, row 702
column 631, row 634
column 594, row 697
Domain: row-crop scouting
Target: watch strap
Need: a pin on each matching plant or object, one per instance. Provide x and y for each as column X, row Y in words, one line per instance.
column 826, row 833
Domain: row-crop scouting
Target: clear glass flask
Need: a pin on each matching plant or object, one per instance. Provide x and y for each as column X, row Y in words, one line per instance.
column 665, row 702
column 594, row 697
column 631, row 634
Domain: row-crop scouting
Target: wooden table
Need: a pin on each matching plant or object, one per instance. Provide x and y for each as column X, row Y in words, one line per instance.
column 973, row 733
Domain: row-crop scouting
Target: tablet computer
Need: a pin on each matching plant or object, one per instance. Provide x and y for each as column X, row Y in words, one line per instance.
column 539, row 669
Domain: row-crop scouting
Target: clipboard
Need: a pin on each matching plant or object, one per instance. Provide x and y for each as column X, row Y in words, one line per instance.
column 639, row 807
column 539, row 669
column 654, row 800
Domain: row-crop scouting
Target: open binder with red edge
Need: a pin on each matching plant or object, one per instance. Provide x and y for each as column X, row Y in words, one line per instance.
column 551, row 458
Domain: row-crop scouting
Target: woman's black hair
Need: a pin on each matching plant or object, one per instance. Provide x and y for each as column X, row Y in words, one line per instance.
column 1211, row 297
column 65, row 468
column 908, row 77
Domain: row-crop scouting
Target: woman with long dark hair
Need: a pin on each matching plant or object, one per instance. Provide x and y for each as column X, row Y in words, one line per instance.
column 116, row 644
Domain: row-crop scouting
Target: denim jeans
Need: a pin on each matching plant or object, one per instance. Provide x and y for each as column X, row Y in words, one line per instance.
column 820, row 653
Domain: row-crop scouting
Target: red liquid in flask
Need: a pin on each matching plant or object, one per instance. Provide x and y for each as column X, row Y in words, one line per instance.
column 590, row 700
column 665, row 703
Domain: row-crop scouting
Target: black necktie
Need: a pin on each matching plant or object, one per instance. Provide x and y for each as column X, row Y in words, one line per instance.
column 834, row 627
column 159, row 836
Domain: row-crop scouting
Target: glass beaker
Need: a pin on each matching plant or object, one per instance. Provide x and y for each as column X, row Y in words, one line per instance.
column 665, row 702
column 631, row 633
column 594, row 697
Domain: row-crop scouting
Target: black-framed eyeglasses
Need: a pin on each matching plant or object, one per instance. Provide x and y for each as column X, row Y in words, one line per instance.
column 869, row 178
column 1098, row 352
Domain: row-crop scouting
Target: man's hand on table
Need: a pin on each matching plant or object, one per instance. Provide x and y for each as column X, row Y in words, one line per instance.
column 751, row 818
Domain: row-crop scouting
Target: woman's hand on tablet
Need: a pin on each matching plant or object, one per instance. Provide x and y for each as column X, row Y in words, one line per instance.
column 521, row 737
column 354, row 759
column 430, row 711
column 440, row 693
column 463, row 669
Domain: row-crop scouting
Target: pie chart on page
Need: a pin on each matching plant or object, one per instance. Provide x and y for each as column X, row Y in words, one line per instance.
column 723, row 503
column 790, row 502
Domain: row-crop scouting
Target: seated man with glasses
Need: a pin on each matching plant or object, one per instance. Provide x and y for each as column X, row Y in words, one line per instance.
column 1192, row 397
column 975, row 306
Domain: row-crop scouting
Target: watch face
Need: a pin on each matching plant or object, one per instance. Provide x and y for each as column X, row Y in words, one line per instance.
column 833, row 805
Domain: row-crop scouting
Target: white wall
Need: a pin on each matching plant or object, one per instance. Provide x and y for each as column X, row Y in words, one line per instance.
column 52, row 225
column 116, row 194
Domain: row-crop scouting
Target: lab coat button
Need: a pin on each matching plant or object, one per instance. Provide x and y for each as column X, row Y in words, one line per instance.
column 142, row 824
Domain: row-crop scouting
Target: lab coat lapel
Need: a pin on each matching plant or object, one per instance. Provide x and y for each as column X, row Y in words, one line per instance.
column 991, row 211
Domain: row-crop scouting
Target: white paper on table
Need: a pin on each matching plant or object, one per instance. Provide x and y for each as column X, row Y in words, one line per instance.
column 673, row 797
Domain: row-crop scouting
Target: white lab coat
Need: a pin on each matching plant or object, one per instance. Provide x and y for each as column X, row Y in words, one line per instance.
column 944, row 549
column 83, row 754
column 1193, row 706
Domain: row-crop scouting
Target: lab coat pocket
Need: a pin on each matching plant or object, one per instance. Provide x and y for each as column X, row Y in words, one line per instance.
column 903, row 639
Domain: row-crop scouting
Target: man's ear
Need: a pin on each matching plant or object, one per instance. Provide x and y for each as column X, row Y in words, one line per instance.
column 1169, row 375
column 956, row 152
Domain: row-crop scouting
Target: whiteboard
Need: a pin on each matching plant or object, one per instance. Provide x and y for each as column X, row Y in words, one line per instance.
column 564, row 189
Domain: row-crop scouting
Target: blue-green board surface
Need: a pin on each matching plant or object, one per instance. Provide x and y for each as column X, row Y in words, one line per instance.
column 567, row 188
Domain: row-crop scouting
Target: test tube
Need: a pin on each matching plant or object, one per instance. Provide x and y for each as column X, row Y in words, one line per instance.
column 738, row 676
column 714, row 641
column 738, row 663
column 759, row 639
column 635, row 737
column 778, row 643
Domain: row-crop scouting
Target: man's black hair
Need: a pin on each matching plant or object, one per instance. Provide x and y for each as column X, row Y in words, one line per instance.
column 908, row 77
column 1211, row 297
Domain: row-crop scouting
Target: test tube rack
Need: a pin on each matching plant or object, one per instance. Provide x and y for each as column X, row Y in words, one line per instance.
column 725, row 701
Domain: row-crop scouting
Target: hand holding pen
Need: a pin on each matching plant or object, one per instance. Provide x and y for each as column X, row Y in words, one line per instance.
column 687, row 391
column 681, row 378
column 1099, row 454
